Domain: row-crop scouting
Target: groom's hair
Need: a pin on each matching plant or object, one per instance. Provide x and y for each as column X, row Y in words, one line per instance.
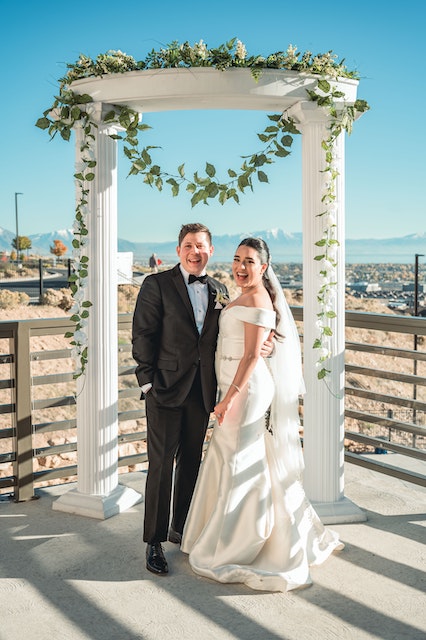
column 194, row 227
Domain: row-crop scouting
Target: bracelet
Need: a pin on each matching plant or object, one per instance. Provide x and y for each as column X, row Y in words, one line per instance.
column 237, row 388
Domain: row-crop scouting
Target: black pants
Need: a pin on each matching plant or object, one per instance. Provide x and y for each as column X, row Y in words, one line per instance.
column 174, row 435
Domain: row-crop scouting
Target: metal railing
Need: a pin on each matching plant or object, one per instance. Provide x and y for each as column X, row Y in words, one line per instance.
column 38, row 442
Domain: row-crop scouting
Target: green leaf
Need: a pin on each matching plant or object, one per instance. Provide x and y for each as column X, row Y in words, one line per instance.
column 286, row 141
column 181, row 170
column 210, row 170
column 83, row 98
column 212, row 190
column 232, row 173
column 146, row 157
column 262, row 176
column 86, row 303
column 89, row 177
column 324, row 85
column 43, row 123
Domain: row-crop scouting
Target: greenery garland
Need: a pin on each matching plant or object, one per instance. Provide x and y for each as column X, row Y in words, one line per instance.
column 71, row 109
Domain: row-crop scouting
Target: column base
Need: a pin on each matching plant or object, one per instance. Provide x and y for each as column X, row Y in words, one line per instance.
column 100, row 507
column 343, row 511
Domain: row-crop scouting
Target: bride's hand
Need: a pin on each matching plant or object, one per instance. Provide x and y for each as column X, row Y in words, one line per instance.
column 268, row 346
column 220, row 410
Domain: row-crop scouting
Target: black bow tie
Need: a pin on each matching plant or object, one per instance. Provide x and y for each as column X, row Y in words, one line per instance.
column 192, row 278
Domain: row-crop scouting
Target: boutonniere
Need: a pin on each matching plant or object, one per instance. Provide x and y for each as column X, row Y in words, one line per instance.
column 221, row 299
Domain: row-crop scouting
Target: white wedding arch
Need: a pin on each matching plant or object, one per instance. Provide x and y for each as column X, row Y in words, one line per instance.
column 98, row 492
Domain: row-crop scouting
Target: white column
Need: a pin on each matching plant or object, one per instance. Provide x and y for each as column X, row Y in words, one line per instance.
column 98, row 493
column 323, row 414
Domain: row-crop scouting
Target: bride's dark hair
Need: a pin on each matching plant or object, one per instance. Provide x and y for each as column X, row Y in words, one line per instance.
column 265, row 258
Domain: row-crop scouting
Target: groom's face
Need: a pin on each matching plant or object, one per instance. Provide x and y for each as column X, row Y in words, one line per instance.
column 194, row 252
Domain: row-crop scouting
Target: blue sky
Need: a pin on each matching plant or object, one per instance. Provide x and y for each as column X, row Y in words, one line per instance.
column 385, row 155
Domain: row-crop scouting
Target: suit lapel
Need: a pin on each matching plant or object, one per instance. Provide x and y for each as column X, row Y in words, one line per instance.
column 180, row 285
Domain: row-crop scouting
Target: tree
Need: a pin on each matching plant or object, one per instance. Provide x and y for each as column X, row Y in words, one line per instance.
column 24, row 244
column 58, row 248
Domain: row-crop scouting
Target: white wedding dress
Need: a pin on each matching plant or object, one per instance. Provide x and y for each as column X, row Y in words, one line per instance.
column 250, row 521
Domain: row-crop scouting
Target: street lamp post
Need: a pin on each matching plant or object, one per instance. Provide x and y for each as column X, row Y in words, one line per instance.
column 416, row 313
column 17, row 193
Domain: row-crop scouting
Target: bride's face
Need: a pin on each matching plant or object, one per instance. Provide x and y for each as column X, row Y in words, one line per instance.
column 247, row 268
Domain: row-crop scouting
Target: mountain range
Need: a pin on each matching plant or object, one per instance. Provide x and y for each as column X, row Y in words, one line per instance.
column 284, row 246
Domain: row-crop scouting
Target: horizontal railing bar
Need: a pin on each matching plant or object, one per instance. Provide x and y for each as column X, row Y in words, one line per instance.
column 129, row 393
column 7, row 384
column 55, row 449
column 385, row 322
column 386, row 422
column 381, row 443
column 7, row 482
column 53, row 378
column 130, row 415
column 7, row 457
column 50, row 403
column 6, row 358
column 55, row 474
column 123, row 438
column 7, row 408
column 386, row 351
column 7, row 433
column 390, row 470
column 60, row 425
column 386, row 375
column 50, row 355
column 409, row 403
column 136, row 458
column 126, row 371
column 125, row 321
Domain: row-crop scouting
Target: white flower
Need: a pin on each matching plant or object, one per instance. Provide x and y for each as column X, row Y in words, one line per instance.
column 221, row 298
column 80, row 337
column 240, row 51
column 201, row 50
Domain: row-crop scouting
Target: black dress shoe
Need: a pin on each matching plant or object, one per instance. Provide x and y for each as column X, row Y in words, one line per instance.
column 175, row 537
column 155, row 559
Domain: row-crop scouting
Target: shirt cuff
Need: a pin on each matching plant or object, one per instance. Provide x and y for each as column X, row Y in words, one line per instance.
column 146, row 387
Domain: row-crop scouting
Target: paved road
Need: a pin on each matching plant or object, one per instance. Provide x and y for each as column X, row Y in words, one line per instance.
column 53, row 279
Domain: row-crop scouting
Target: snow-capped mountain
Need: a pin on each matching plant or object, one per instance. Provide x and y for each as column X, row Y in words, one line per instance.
column 284, row 246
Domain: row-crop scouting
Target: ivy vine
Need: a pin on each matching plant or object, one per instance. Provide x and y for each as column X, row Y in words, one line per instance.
column 71, row 109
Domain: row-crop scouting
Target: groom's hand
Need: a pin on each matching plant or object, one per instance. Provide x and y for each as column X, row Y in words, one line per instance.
column 268, row 346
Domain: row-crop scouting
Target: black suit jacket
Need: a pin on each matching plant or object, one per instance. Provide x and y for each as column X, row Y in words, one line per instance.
column 166, row 344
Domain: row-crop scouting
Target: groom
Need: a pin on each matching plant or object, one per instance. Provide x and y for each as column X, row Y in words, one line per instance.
column 175, row 327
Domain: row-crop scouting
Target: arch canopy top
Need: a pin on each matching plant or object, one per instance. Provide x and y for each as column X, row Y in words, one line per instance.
column 155, row 90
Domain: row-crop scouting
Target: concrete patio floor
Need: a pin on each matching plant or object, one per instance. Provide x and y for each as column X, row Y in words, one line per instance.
column 68, row 577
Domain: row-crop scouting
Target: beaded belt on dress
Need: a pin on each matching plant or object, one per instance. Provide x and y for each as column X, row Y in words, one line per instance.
column 230, row 358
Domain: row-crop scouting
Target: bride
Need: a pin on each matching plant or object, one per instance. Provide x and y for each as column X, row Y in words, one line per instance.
column 250, row 520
